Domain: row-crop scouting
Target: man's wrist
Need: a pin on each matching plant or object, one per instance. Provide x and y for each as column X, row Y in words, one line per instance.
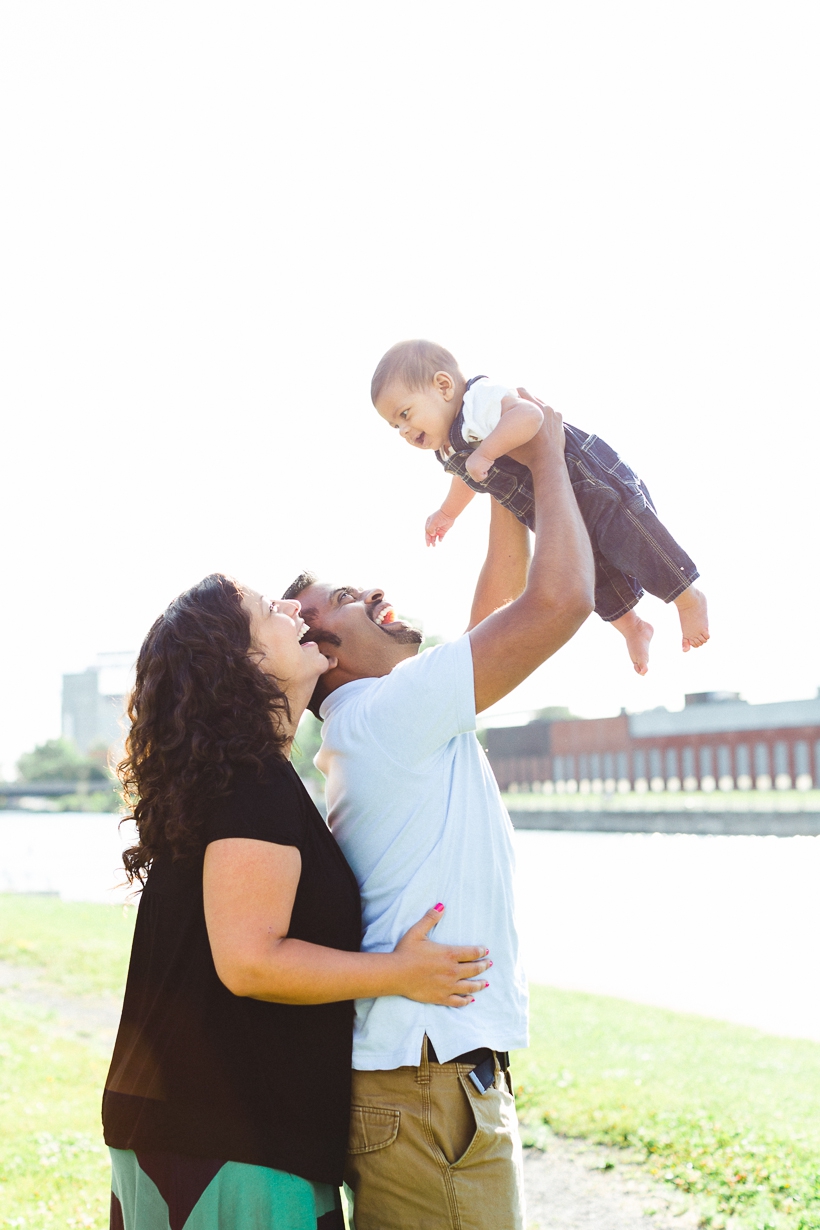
column 548, row 463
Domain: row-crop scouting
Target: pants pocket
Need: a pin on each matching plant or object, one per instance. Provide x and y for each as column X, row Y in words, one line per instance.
column 453, row 1122
column 372, row 1128
column 490, row 1112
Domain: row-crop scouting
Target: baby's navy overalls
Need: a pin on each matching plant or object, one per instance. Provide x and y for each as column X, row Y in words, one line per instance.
column 633, row 551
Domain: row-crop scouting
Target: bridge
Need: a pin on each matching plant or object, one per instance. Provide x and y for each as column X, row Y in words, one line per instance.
column 45, row 790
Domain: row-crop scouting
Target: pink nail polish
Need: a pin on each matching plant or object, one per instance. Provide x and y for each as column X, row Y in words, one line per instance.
column 490, row 965
column 438, row 907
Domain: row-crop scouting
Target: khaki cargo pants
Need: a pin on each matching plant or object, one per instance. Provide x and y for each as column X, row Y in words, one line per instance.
column 427, row 1151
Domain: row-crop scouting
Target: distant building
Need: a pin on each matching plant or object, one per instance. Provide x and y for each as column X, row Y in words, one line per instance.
column 717, row 740
column 94, row 701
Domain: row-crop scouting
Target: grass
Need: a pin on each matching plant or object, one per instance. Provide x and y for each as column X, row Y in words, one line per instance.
column 79, row 947
column 724, row 1112
column 54, row 1168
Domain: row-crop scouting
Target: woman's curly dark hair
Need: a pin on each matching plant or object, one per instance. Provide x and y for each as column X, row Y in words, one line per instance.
column 200, row 707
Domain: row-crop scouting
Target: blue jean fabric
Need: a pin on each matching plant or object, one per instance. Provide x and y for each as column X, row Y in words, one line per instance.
column 632, row 549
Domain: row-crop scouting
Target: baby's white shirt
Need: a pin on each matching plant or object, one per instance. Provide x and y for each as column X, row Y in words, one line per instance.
column 482, row 408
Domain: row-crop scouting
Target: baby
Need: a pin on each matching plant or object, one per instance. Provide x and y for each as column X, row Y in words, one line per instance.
column 472, row 426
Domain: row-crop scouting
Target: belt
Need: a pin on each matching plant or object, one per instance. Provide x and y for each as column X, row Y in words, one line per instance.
column 478, row 1056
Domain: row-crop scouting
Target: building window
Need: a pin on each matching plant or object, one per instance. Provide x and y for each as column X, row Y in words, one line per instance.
column 763, row 777
column 639, row 763
column 802, row 762
column 802, row 766
column 706, row 762
column 782, row 776
column 688, row 762
column 743, row 765
column 671, row 762
column 623, row 765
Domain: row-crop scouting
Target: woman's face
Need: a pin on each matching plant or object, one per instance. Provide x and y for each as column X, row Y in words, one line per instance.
column 276, row 631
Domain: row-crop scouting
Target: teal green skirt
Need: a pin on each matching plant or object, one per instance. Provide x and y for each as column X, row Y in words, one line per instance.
column 166, row 1191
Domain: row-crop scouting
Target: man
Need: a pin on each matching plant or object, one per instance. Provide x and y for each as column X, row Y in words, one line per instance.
column 414, row 806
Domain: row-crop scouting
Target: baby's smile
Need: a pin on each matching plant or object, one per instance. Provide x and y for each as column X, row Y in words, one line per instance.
column 422, row 416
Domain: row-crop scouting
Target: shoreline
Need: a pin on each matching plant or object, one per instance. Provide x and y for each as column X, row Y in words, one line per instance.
column 707, row 823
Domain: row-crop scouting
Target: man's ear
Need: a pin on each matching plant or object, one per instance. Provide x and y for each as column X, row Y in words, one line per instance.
column 445, row 384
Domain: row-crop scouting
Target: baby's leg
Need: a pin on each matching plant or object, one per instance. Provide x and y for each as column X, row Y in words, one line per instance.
column 637, row 633
column 694, row 622
column 615, row 597
column 625, row 528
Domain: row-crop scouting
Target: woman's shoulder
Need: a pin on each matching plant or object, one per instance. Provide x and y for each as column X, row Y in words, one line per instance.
column 263, row 802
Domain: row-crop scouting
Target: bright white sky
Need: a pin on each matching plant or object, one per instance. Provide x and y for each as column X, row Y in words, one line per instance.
column 215, row 218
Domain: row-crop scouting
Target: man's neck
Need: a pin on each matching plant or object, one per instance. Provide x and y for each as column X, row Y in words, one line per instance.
column 340, row 675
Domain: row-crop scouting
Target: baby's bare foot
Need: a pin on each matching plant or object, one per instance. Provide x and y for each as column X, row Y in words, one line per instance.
column 694, row 622
column 637, row 633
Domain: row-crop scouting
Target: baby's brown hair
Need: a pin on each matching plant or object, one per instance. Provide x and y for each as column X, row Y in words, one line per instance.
column 415, row 363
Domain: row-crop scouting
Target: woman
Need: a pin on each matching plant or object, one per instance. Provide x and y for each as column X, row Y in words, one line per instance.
column 228, row 1091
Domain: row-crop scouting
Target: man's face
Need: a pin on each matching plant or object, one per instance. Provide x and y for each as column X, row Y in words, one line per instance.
column 359, row 628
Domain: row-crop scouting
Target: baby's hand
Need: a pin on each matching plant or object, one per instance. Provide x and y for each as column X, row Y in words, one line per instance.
column 478, row 466
column 438, row 523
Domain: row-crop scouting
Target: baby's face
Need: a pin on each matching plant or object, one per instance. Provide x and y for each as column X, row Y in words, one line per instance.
column 423, row 417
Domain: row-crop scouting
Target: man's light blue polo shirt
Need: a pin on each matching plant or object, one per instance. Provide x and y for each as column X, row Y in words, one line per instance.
column 415, row 808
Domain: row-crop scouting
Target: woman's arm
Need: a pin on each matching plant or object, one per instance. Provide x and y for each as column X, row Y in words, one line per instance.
column 249, row 888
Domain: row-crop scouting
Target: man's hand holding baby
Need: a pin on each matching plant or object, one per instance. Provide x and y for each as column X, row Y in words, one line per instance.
column 550, row 433
column 521, row 420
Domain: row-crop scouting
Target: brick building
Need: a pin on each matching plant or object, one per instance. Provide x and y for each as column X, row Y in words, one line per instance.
column 716, row 740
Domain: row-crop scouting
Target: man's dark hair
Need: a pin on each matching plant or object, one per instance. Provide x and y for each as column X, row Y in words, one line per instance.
column 295, row 588
column 303, row 580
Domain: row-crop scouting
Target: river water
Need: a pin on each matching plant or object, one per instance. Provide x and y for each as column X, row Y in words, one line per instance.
column 721, row 926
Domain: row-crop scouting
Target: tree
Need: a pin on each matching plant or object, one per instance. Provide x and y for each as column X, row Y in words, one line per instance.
column 555, row 713
column 305, row 746
column 57, row 760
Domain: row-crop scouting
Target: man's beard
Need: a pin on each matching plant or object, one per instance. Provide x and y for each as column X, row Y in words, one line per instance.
column 406, row 636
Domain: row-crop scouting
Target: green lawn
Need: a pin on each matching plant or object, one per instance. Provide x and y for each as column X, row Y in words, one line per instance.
column 81, row 948
column 53, row 1164
column 725, row 1112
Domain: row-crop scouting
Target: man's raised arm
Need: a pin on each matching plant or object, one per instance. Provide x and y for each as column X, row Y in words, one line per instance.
column 503, row 575
column 509, row 644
